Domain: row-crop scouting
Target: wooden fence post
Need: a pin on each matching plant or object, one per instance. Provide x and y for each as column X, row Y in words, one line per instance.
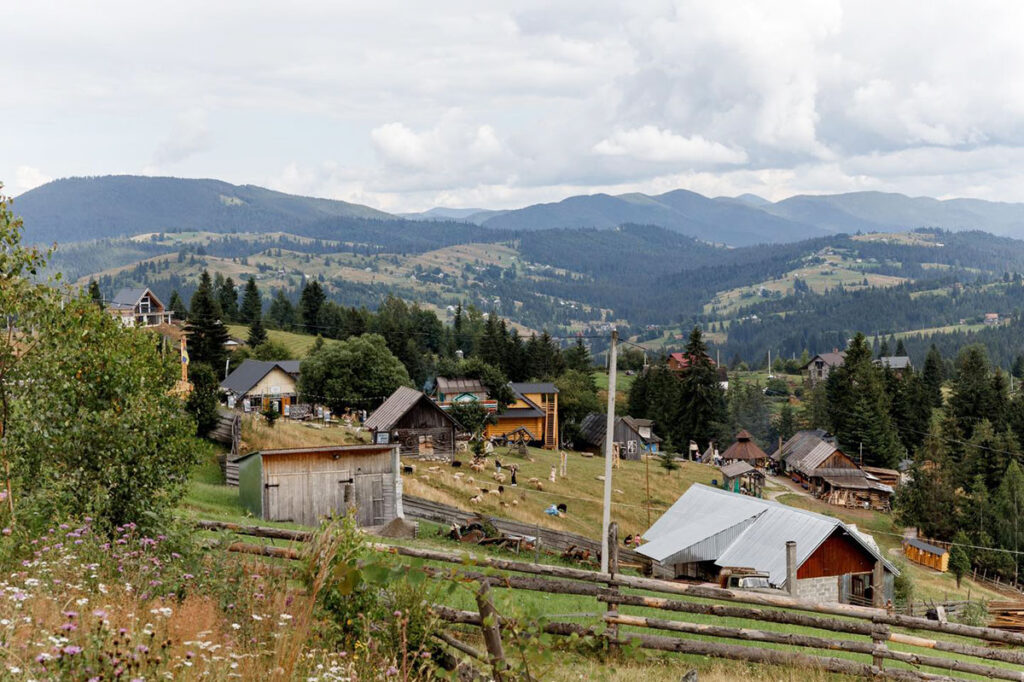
column 613, row 568
column 879, row 636
column 491, row 629
column 878, row 586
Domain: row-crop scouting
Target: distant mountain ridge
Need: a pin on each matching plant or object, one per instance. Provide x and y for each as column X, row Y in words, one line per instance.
column 80, row 209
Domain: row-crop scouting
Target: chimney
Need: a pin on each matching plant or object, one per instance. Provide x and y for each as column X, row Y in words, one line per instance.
column 791, row 568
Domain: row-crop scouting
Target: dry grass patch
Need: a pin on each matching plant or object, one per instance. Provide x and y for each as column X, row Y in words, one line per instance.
column 284, row 434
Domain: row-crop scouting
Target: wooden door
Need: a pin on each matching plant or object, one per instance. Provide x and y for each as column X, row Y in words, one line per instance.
column 369, row 499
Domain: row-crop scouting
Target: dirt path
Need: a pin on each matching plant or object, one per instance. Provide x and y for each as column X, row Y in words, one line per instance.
column 781, row 486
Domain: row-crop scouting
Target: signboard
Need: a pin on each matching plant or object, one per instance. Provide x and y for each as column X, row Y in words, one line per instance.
column 246, row 405
column 382, row 438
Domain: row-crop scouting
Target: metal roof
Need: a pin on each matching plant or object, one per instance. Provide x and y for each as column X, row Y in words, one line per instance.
column 250, row 372
column 458, row 386
column 127, row 298
column 323, row 450
column 735, row 469
column 521, row 412
column 894, row 361
column 812, row 458
column 834, row 359
column 700, row 521
column 800, row 442
column 924, row 546
column 537, row 387
column 594, row 428
column 397, row 405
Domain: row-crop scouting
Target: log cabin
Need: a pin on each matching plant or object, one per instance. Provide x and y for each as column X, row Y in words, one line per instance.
column 416, row 424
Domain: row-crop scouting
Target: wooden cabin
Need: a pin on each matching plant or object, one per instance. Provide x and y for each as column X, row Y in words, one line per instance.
column 139, row 308
column 535, row 408
column 926, row 554
column 594, row 427
column 305, row 485
column 741, row 477
column 745, row 450
column 256, row 386
column 418, row 425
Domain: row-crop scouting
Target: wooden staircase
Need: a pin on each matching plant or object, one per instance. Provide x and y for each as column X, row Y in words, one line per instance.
column 550, row 423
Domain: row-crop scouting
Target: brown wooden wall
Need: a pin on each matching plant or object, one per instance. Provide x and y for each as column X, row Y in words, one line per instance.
column 838, row 555
column 838, row 460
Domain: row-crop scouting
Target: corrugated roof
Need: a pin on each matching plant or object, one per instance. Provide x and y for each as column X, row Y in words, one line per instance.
column 457, row 386
column 249, row 373
column 830, row 359
column 800, row 443
column 703, row 513
column 744, row 448
column 128, row 297
column 734, row 469
column 894, row 361
column 594, row 428
column 397, row 405
column 812, row 458
column 323, row 449
column 924, row 546
column 536, row 387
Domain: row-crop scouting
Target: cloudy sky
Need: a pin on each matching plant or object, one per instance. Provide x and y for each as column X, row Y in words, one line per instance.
column 408, row 105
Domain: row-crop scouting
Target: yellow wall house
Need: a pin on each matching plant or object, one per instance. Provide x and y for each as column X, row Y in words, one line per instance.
column 256, row 385
column 535, row 409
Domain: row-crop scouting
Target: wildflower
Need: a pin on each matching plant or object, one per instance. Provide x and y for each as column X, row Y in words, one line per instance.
column 99, row 613
column 72, row 650
column 257, row 616
column 71, row 615
column 6, row 531
column 42, row 658
column 391, row 671
column 69, row 627
column 236, row 626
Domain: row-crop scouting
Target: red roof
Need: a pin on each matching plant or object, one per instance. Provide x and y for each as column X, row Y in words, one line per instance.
column 682, row 360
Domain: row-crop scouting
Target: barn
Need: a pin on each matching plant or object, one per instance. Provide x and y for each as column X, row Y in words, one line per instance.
column 305, row 485
column 709, row 532
column 415, row 423
column 593, row 430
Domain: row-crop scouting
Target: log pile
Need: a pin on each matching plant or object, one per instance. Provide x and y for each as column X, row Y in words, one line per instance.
column 1007, row 615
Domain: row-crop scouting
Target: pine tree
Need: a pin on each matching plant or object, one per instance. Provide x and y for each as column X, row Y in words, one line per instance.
column 257, row 333
column 959, row 557
column 252, row 302
column 206, row 333
column 933, row 376
column 1018, row 367
column 578, row 357
column 787, row 422
column 702, row 414
column 281, row 313
column 227, row 297
column 974, row 393
column 901, row 350
column 311, row 301
column 95, row 294
column 177, row 306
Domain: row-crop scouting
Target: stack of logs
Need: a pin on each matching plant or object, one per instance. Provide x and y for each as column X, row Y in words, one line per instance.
column 1007, row 615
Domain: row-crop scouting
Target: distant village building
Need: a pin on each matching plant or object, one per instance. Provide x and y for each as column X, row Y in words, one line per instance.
column 826, row 472
column 897, row 363
column 534, row 409
column 305, row 485
column 745, row 450
column 414, row 422
column 991, row 318
column 821, row 365
column 257, row 385
column 926, row 554
column 709, row 532
column 139, row 308
column 627, row 433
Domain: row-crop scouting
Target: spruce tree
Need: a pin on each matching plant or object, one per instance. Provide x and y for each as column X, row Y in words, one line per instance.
column 933, row 375
column 257, row 333
column 227, row 297
column 281, row 313
column 311, row 301
column 252, row 302
column 702, row 414
column 578, row 357
column 206, row 333
column 901, row 350
column 974, row 394
column 94, row 293
column 177, row 306
column 959, row 557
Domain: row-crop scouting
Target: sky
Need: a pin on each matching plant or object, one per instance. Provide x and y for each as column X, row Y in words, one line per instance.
column 408, row 105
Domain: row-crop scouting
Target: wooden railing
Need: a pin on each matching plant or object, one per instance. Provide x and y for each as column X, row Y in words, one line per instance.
column 881, row 628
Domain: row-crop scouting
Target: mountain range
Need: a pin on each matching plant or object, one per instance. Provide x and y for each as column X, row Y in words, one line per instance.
column 80, row 209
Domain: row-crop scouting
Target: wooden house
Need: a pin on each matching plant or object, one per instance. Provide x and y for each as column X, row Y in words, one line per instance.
column 593, row 430
column 305, row 485
column 535, row 409
column 820, row 366
column 709, row 531
column 418, row 425
column 256, row 385
column 139, row 308
column 826, row 472
column 926, row 554
column 448, row 391
column 899, row 364
column 745, row 450
column 740, row 476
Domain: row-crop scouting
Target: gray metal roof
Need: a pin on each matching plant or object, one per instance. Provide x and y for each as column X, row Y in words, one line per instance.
column 894, row 362
column 833, row 359
column 810, row 461
column 738, row 468
column 800, row 443
column 249, row 373
column 924, row 546
column 449, row 386
column 536, row 387
column 324, row 449
column 742, row 531
column 397, row 405
column 594, row 427
column 521, row 412
column 128, row 297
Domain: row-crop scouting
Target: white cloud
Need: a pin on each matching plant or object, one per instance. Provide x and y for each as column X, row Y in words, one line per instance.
column 26, row 178
column 190, row 135
column 650, row 143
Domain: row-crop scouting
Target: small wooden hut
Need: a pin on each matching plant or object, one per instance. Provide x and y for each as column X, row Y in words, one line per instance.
column 742, row 477
column 745, row 450
column 416, row 423
column 926, row 554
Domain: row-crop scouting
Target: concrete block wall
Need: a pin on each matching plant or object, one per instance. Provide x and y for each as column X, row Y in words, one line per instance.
column 818, row 589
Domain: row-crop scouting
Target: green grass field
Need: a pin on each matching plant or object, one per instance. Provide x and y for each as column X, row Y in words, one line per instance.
column 297, row 344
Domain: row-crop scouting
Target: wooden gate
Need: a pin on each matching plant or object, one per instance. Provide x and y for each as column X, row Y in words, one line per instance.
column 370, row 499
column 305, row 497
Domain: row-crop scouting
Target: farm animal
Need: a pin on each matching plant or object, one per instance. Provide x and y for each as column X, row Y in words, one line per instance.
column 433, row 468
column 477, row 466
column 456, row 463
column 515, row 503
column 476, row 499
column 536, row 483
column 458, row 475
column 500, row 478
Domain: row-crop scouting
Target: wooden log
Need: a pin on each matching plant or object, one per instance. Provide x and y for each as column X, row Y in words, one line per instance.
column 490, row 626
column 256, row 531
column 875, row 648
column 852, row 627
column 461, row 646
column 736, row 652
column 519, row 582
column 715, row 593
column 264, row 550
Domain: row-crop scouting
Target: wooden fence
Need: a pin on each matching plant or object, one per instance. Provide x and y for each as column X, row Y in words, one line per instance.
column 876, row 625
column 553, row 540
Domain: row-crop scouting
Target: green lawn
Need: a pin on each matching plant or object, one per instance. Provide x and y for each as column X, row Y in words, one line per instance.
column 297, row 344
column 623, row 381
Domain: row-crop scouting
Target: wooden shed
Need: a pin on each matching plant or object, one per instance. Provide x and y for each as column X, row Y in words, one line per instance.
column 926, row 554
column 593, row 431
column 305, row 485
column 415, row 423
column 745, row 450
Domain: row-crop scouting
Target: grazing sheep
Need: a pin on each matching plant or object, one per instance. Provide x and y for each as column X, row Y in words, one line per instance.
column 476, row 499
column 433, row 468
column 515, row 503
column 458, row 475
column 470, row 480
column 500, row 478
column 533, row 481
column 477, row 466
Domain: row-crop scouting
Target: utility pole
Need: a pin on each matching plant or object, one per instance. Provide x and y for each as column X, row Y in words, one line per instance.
column 647, row 473
column 862, row 454
column 609, row 438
